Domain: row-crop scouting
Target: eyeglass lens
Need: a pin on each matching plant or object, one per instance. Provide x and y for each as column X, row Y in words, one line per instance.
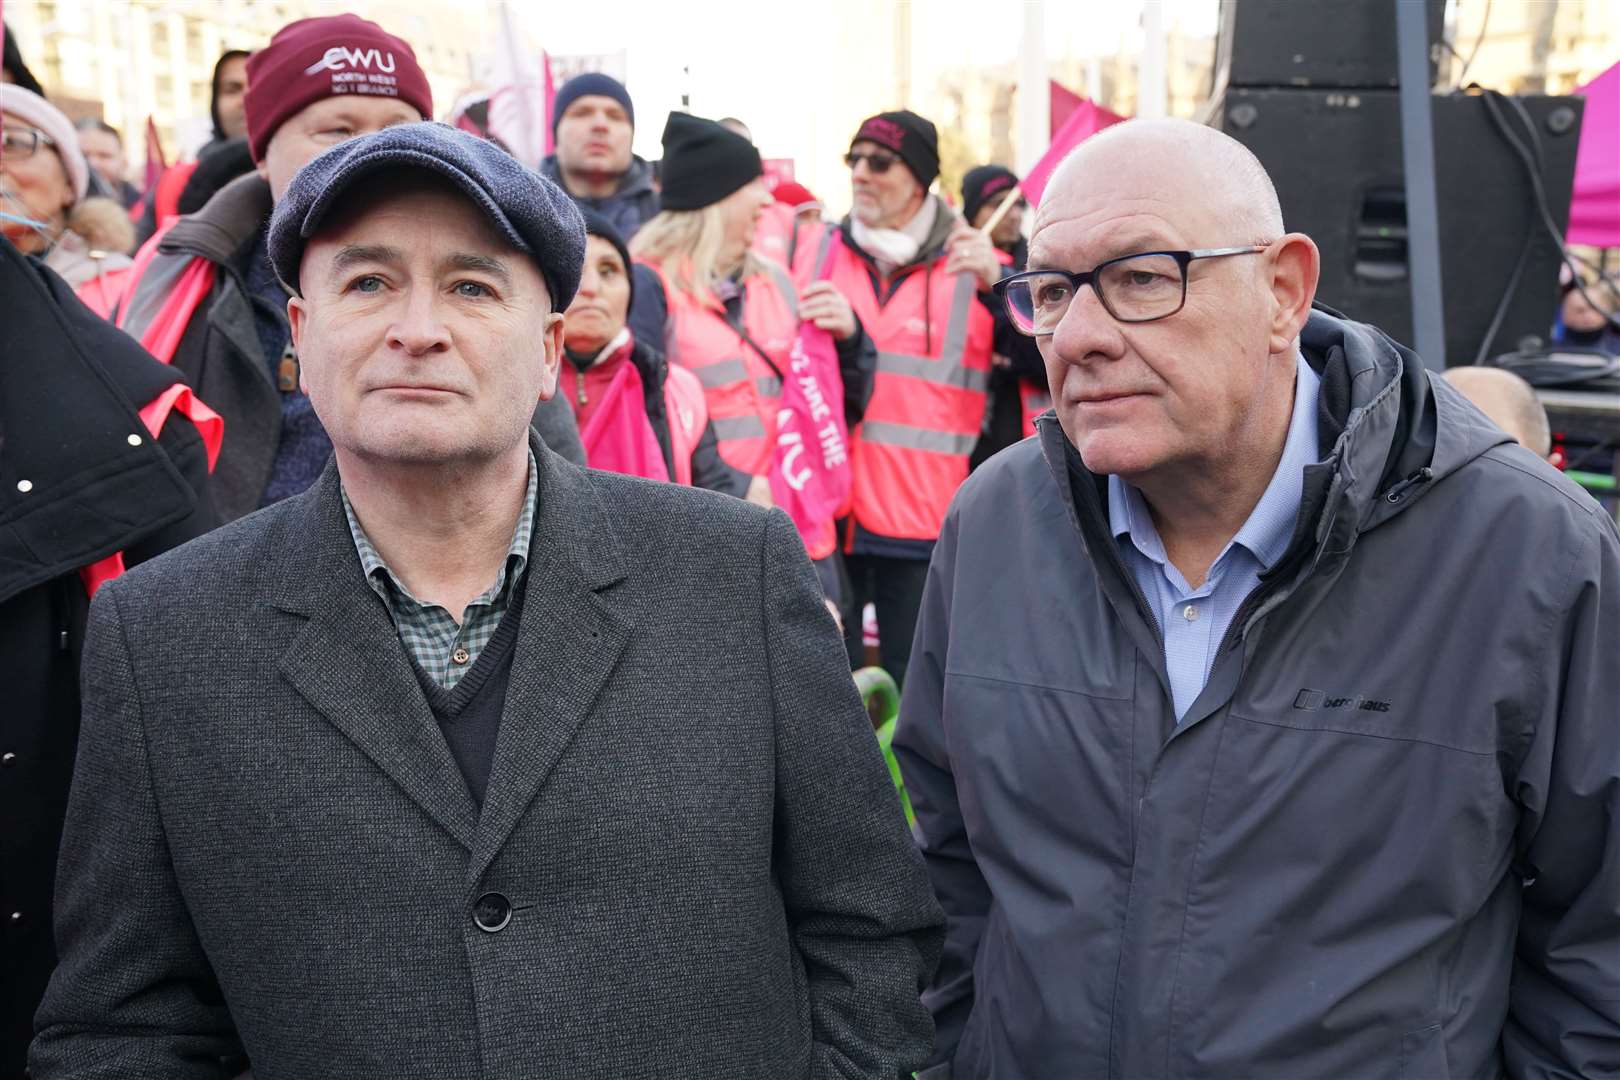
column 1134, row 289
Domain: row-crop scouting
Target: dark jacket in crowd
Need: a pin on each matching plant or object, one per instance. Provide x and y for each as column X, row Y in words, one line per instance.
column 709, row 469
column 1018, row 366
column 70, row 390
column 1385, row 840
column 690, row 860
column 221, row 353
column 627, row 209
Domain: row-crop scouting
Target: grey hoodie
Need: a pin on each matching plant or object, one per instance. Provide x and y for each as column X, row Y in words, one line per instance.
column 629, row 208
column 1385, row 842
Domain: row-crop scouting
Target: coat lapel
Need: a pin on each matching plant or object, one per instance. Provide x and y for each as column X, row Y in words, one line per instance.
column 348, row 663
column 575, row 628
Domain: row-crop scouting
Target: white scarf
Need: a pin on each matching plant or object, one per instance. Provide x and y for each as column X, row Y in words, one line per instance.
column 894, row 248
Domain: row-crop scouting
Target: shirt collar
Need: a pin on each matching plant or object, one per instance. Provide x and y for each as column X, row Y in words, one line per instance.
column 381, row 578
column 1270, row 525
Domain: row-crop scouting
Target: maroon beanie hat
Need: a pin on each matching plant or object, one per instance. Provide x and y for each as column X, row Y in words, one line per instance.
column 320, row 58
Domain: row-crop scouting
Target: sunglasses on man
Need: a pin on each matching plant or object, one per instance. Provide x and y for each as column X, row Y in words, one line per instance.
column 878, row 163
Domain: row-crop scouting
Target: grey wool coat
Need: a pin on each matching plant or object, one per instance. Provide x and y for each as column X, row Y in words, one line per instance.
column 269, row 848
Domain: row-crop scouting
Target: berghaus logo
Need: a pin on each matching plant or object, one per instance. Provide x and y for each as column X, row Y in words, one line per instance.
column 1313, row 700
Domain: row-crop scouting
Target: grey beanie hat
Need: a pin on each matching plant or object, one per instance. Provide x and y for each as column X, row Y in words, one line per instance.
column 531, row 212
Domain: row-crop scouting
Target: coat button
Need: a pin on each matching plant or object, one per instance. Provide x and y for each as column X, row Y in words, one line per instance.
column 8, row 759
column 16, row 917
column 492, row 912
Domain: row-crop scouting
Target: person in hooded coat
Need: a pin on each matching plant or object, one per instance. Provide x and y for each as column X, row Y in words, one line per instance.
column 84, row 488
column 1262, row 714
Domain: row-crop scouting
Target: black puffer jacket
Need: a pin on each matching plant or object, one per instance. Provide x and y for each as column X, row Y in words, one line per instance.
column 73, row 490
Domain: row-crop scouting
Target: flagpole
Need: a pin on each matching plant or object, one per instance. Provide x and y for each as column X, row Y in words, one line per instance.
column 1034, row 94
column 1013, row 196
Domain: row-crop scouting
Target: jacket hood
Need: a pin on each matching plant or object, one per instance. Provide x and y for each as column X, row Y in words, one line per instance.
column 77, row 489
column 637, row 179
column 1389, row 430
column 77, row 259
column 226, row 223
column 1394, row 427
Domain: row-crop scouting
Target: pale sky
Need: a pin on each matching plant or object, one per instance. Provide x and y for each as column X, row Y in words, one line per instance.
column 752, row 60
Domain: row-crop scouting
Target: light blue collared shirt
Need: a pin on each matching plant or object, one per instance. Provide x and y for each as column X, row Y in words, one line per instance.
column 1194, row 621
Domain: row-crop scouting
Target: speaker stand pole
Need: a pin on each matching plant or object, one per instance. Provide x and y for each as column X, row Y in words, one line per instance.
column 1422, row 207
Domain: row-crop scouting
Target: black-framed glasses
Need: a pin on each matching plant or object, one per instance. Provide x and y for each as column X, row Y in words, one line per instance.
column 878, row 163
column 1132, row 288
column 22, row 143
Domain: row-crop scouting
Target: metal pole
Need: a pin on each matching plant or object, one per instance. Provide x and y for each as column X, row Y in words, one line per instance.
column 1034, row 91
column 1152, row 86
column 1422, row 206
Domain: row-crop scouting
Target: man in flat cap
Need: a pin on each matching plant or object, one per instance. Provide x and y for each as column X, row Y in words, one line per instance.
column 468, row 762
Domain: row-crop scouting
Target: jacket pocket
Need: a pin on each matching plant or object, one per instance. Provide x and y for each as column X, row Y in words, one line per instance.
column 1423, row 1054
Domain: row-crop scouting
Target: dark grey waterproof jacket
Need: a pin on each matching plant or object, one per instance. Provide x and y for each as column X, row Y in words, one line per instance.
column 1384, row 843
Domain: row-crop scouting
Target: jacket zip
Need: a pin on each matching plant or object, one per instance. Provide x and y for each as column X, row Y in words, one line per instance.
column 1395, row 494
column 1398, row 492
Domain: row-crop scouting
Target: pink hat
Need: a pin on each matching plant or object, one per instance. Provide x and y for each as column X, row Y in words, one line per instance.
column 36, row 112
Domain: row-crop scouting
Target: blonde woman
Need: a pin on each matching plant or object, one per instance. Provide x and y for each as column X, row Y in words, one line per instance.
column 725, row 313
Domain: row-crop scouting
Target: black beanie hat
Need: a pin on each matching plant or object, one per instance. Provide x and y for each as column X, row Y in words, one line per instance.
column 909, row 135
column 703, row 162
column 982, row 183
column 591, row 82
column 597, row 225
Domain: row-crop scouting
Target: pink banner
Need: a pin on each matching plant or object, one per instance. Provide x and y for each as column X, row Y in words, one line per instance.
column 811, row 478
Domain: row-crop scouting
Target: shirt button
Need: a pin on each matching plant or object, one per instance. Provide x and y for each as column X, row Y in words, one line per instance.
column 461, row 655
column 1190, row 613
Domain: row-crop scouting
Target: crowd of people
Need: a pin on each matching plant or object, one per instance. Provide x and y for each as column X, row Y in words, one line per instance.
column 487, row 714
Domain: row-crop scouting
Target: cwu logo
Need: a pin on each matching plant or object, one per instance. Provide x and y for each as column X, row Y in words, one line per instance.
column 339, row 57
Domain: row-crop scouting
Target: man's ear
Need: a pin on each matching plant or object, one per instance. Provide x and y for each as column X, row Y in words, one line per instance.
column 297, row 320
column 1295, row 267
column 552, row 354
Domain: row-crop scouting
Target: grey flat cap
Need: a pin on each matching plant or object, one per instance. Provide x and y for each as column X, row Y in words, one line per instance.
column 531, row 212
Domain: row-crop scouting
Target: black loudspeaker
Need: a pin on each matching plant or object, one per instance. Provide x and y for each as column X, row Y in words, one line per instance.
column 1335, row 157
column 1315, row 43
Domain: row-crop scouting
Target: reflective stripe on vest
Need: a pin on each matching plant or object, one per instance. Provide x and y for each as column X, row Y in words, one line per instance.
column 916, row 438
column 720, row 372
column 1034, row 399
column 737, row 427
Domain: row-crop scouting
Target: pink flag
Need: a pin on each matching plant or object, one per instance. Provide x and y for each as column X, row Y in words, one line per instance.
column 155, row 162
column 1063, row 102
column 549, row 86
column 811, row 477
column 517, row 96
column 618, row 437
column 1087, row 119
column 1594, row 211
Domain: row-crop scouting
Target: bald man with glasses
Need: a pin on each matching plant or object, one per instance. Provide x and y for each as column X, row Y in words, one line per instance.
column 1261, row 715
